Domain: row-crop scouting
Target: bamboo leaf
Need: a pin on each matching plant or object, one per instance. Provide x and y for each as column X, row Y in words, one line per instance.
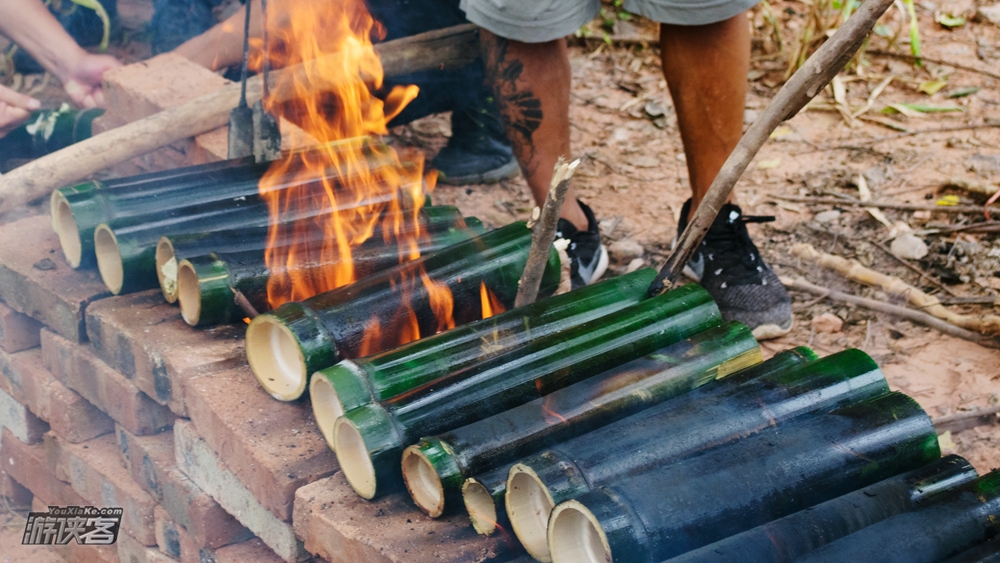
column 931, row 87
column 915, row 110
column 950, row 21
column 963, row 92
column 914, row 32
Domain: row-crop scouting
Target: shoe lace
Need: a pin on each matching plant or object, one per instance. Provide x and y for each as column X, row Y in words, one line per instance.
column 732, row 244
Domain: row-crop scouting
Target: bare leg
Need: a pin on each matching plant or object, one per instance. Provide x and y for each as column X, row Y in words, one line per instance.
column 706, row 70
column 531, row 82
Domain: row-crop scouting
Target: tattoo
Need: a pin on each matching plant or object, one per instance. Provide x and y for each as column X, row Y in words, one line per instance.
column 520, row 109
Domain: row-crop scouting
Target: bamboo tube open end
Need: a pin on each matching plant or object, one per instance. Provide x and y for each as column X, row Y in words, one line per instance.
column 528, row 506
column 423, row 482
column 188, row 292
column 352, row 455
column 576, row 536
column 167, row 269
column 65, row 226
column 109, row 258
column 275, row 358
column 326, row 406
column 480, row 506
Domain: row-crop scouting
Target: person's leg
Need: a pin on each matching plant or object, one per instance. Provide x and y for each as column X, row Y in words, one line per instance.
column 706, row 69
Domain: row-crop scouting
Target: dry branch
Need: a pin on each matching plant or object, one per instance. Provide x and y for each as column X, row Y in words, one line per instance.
column 902, row 312
column 451, row 47
column 543, row 232
column 960, row 416
column 853, row 270
column 883, row 204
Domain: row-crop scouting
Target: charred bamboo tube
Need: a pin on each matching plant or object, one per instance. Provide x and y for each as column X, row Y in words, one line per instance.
column 683, row 506
column 795, row 535
column 253, row 241
column 353, row 383
column 966, row 517
column 207, row 285
column 738, row 406
column 987, row 552
column 435, row 468
column 300, row 338
column 369, row 440
column 484, row 494
column 78, row 210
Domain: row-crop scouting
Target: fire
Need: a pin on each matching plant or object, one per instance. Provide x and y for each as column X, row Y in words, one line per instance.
column 550, row 413
column 491, row 305
column 332, row 101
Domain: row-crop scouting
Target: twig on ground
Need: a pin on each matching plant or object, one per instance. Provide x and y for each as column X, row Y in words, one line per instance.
column 902, row 312
column 960, row 416
column 543, row 232
column 984, row 227
column 883, row 204
column 909, row 57
column 865, row 143
column 915, row 269
column 243, row 303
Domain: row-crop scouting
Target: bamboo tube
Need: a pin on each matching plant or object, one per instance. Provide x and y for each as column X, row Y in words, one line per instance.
column 353, row 383
column 253, row 241
column 485, row 493
column 853, row 270
column 683, row 506
column 300, row 338
column 986, row 552
column 736, row 407
column 369, row 440
column 435, row 468
column 963, row 519
column 207, row 285
column 795, row 535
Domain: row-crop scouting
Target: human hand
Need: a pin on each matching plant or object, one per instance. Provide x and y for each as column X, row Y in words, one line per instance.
column 82, row 80
column 14, row 109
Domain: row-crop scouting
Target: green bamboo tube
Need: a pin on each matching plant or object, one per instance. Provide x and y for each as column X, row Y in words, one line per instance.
column 435, row 468
column 77, row 210
column 298, row 339
column 964, row 518
column 986, row 552
column 683, row 506
column 251, row 243
column 369, row 440
column 795, row 535
column 738, row 406
column 206, row 284
column 484, row 494
column 353, row 383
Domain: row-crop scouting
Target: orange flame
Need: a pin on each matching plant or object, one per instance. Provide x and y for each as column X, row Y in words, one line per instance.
column 549, row 413
column 490, row 303
column 331, row 100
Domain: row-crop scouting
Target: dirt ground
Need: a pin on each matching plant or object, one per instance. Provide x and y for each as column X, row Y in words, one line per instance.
column 633, row 174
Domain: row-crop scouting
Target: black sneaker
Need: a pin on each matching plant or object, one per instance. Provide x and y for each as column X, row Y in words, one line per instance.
column 729, row 266
column 478, row 151
column 588, row 257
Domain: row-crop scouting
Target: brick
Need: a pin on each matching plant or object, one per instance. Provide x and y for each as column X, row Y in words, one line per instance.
column 145, row 339
column 74, row 553
column 77, row 367
column 10, row 541
column 131, row 551
column 253, row 550
column 96, row 472
column 19, row 421
column 31, row 467
column 151, row 462
column 272, row 447
column 172, row 539
column 196, row 459
column 23, row 376
column 13, row 493
column 17, row 330
column 36, row 281
column 338, row 525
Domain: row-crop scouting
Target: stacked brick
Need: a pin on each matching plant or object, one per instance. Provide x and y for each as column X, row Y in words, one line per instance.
column 114, row 401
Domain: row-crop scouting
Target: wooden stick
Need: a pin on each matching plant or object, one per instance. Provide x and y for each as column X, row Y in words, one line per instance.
column 915, row 269
column 910, row 57
column 243, row 303
column 807, row 82
column 877, row 140
column 883, row 204
column 903, row 312
column 543, row 233
column 451, row 47
column 960, row 416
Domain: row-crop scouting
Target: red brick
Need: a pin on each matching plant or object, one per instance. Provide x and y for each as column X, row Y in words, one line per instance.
column 96, row 472
column 30, row 466
column 338, row 525
column 17, row 331
column 145, row 339
column 272, row 447
column 13, row 493
column 77, row 367
column 36, row 281
column 17, row 419
column 252, row 550
column 131, row 551
column 24, row 377
column 172, row 539
column 151, row 462
column 74, row 553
